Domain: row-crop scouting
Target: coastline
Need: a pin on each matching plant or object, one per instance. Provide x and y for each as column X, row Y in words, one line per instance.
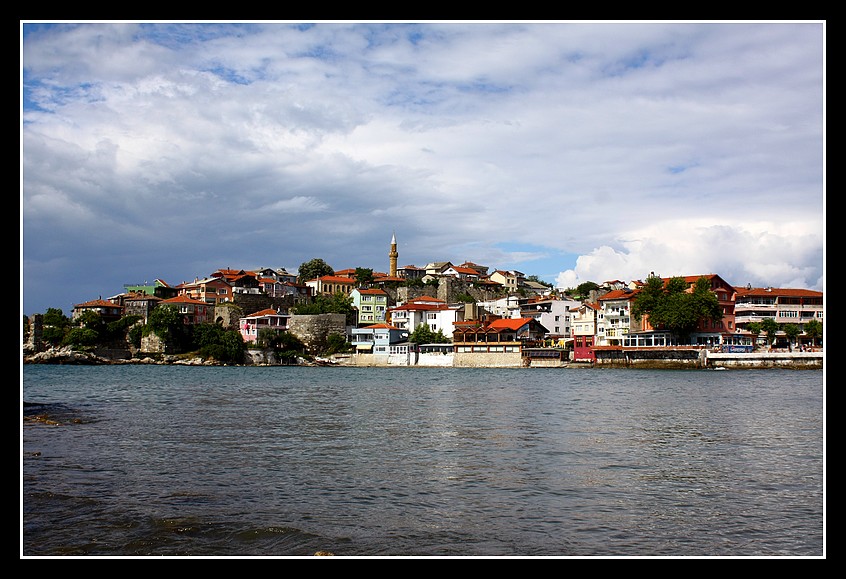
column 636, row 359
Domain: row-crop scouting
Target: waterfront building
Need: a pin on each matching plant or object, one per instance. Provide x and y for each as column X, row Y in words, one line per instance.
column 158, row 288
column 613, row 318
column 140, row 304
column 783, row 305
column 378, row 339
column 193, row 311
column 583, row 330
column 433, row 312
column 249, row 326
column 108, row 311
column 371, row 304
column 501, row 335
column 211, row 290
column 552, row 313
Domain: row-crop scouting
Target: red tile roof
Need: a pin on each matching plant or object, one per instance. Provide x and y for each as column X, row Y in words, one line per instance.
column 509, row 323
column 98, row 303
column 619, row 295
column 374, row 291
column 262, row 313
column 184, row 300
column 786, row 292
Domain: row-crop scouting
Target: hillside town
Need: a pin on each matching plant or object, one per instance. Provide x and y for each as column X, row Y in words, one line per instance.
column 479, row 317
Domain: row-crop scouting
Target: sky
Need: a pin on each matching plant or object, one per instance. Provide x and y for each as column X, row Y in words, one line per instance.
column 571, row 151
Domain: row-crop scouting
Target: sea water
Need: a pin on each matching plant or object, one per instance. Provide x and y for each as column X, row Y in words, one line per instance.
column 151, row 461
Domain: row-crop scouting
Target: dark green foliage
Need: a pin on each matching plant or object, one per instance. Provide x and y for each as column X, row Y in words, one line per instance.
column 423, row 334
column 225, row 346
column 80, row 338
column 535, row 279
column 56, row 325
column 584, row 289
column 671, row 307
column 769, row 326
column 792, row 331
column 338, row 303
column 363, row 276
column 313, row 269
column 814, row 330
column 335, row 344
column 134, row 335
column 165, row 320
column 207, row 334
column 465, row 298
column 267, row 338
column 55, row 317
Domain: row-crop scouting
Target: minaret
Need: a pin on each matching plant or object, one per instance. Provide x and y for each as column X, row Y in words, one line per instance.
column 393, row 255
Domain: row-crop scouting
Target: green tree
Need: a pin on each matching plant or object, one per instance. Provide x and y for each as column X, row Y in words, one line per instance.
column 56, row 325
column 584, row 289
column 289, row 347
column 755, row 329
column 671, row 307
column 313, row 269
column 814, row 330
column 423, row 334
column 363, row 276
column 769, row 326
column 792, row 332
column 168, row 324
column 536, row 279
column 267, row 338
column 135, row 334
column 92, row 320
column 81, row 338
column 336, row 343
column 206, row 334
column 338, row 303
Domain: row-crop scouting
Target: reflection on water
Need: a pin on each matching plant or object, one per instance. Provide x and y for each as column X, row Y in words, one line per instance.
column 279, row 461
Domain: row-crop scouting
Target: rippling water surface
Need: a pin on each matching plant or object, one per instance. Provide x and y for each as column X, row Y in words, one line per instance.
column 286, row 461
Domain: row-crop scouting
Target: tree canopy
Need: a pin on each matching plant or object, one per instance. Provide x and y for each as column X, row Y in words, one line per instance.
column 337, row 303
column 672, row 307
column 363, row 276
column 313, row 269
column 423, row 334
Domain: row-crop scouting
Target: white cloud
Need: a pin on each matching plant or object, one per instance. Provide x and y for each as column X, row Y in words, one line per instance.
column 619, row 149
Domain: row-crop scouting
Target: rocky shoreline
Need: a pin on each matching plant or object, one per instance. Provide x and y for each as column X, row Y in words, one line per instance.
column 792, row 360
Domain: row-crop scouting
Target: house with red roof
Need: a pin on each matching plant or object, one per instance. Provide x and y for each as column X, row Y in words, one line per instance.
column 211, row 290
column 434, row 312
column 463, row 273
column 500, row 335
column 380, row 339
column 108, row 311
column 250, row 326
column 613, row 319
column 583, row 330
column 193, row 311
column 784, row 305
column 329, row 285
